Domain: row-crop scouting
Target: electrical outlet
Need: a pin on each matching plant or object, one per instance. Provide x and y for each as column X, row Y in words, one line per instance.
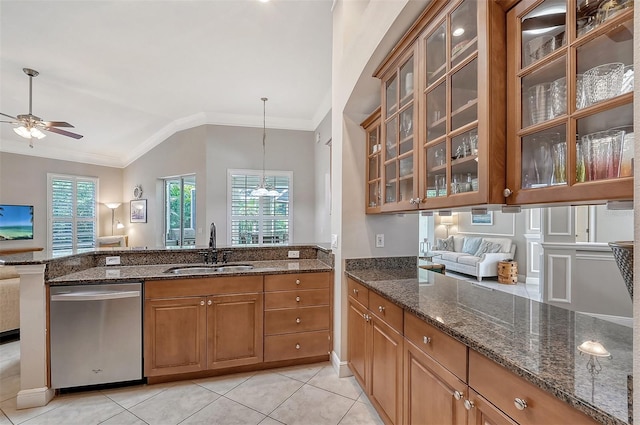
column 113, row 261
column 380, row 240
column 334, row 241
column 294, row 254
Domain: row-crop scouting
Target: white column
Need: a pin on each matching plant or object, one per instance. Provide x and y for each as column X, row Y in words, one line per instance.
column 34, row 391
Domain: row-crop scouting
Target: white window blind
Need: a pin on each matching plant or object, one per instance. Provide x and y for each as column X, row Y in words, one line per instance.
column 72, row 212
column 259, row 220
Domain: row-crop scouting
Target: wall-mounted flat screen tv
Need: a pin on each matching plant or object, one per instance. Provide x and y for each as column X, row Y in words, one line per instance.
column 16, row 222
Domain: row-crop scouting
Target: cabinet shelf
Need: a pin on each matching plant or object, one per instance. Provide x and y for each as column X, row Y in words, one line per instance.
column 463, row 49
column 437, row 168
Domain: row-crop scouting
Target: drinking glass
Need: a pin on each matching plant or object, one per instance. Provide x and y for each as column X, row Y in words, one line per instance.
column 543, row 164
column 559, row 97
column 559, row 153
column 540, row 103
column 580, row 164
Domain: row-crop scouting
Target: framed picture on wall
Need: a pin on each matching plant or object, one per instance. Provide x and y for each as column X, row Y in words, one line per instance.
column 139, row 211
column 482, row 219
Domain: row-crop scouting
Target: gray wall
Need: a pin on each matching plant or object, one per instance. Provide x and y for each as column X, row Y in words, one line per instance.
column 323, row 180
column 23, row 180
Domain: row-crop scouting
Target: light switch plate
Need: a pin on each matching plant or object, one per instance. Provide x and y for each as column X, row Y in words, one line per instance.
column 294, row 254
column 334, row 241
column 112, row 261
column 380, row 240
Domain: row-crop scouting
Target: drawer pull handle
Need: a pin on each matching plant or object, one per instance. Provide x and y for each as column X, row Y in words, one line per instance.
column 355, row 291
column 297, row 346
column 520, row 403
column 366, row 317
column 297, row 281
column 426, row 339
column 297, row 320
column 209, row 302
column 468, row 404
column 457, row 394
column 202, row 302
column 297, row 299
column 381, row 309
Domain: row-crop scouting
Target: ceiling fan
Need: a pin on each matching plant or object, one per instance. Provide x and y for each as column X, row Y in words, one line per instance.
column 29, row 126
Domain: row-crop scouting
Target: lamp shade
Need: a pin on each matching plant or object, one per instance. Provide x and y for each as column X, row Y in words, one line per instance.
column 446, row 219
column 113, row 205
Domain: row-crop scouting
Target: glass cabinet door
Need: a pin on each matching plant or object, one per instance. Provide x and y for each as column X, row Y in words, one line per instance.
column 574, row 120
column 374, row 155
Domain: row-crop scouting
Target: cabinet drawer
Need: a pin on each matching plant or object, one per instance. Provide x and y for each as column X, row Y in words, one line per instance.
column 293, row 299
column 296, row 320
column 288, row 282
column 386, row 310
column 296, row 346
column 447, row 351
column 502, row 387
column 358, row 292
column 171, row 288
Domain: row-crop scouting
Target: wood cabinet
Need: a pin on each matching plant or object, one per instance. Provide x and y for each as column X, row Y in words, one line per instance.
column 373, row 187
column 196, row 324
column 570, row 103
column 297, row 316
column 481, row 412
column 375, row 350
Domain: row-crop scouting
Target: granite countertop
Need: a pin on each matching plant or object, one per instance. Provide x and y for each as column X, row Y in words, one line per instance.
column 107, row 274
column 537, row 341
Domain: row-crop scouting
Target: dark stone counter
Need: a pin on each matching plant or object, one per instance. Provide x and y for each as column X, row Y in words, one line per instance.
column 536, row 341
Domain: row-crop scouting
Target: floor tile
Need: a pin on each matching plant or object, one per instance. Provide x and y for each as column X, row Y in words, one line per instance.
column 361, row 414
column 264, row 392
column 174, row 404
column 225, row 412
column 4, row 420
column 363, row 399
column 18, row 416
column 269, row 421
column 84, row 410
column 328, row 379
column 311, row 405
column 124, row 418
column 223, row 384
column 128, row 397
column 303, row 372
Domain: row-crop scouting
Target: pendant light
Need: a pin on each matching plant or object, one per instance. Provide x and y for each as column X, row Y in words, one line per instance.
column 263, row 189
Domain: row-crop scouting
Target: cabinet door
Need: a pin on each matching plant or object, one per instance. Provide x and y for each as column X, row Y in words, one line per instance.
column 570, row 88
column 432, row 394
column 386, row 370
column 175, row 336
column 357, row 328
column 373, row 188
column 481, row 412
column 235, row 334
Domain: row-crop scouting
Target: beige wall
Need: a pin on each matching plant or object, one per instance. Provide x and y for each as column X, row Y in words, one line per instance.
column 23, row 180
column 322, row 152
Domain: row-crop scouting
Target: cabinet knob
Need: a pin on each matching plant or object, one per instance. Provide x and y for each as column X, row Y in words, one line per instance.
column 366, row 317
column 297, row 281
column 209, row 302
column 381, row 309
column 202, row 302
column 297, row 299
column 297, row 320
column 458, row 395
column 507, row 192
column 520, row 403
column 297, row 346
column 355, row 291
column 468, row 404
column 426, row 339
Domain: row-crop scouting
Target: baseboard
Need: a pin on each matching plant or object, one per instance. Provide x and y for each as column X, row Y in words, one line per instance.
column 34, row 397
column 341, row 368
column 532, row 280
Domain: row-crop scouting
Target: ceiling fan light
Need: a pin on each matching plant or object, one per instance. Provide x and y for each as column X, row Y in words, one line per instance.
column 22, row 131
column 37, row 133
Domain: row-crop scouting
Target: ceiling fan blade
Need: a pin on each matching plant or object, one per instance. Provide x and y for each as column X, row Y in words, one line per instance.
column 56, row 124
column 5, row 115
column 11, row 122
column 544, row 21
column 63, row 132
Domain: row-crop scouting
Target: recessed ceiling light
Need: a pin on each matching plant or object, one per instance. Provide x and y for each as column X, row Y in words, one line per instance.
column 458, row 32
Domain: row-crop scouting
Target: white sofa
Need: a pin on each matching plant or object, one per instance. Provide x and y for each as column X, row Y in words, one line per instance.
column 9, row 299
column 483, row 265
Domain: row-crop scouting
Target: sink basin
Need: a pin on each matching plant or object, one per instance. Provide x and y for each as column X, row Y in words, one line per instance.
column 209, row 269
column 234, row 268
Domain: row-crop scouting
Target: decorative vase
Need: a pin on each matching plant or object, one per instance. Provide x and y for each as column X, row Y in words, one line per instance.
column 623, row 253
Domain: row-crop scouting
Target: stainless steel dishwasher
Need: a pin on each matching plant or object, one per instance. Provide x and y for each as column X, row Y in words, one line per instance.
column 96, row 334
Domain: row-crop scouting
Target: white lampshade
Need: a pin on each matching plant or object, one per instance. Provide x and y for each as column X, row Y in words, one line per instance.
column 593, row 348
column 113, row 205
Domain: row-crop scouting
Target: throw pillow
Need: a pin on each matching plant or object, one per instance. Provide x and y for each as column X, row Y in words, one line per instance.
column 471, row 244
column 444, row 244
column 488, row 247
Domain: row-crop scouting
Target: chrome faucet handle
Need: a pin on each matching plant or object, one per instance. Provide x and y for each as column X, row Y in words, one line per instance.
column 213, row 255
column 205, row 256
column 226, row 255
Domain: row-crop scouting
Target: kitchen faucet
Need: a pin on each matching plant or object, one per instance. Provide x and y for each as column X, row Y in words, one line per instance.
column 212, row 252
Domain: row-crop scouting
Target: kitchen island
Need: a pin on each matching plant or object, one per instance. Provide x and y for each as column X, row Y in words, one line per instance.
column 534, row 341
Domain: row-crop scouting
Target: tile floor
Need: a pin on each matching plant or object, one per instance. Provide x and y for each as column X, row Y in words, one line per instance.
column 521, row 289
column 309, row 395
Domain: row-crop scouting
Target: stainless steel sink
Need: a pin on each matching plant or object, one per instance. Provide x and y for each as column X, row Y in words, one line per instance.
column 209, row 269
column 234, row 268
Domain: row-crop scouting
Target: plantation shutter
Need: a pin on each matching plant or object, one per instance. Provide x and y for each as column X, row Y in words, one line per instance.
column 259, row 220
column 73, row 220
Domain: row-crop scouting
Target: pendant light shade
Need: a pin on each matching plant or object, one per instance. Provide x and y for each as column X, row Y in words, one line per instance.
column 263, row 189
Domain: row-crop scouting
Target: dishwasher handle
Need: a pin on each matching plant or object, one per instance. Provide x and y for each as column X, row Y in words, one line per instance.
column 95, row 296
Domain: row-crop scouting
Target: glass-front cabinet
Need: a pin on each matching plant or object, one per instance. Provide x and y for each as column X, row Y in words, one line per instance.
column 570, row 101
column 398, row 187
column 462, row 89
column 373, row 189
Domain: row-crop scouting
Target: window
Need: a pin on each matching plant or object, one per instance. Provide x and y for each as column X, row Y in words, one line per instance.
column 180, row 210
column 259, row 220
column 72, row 212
